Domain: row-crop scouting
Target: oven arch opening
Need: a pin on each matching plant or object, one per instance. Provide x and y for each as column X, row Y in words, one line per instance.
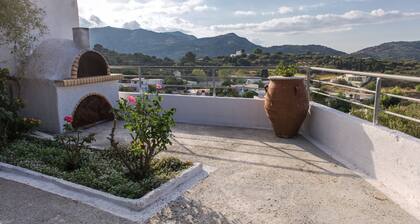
column 91, row 110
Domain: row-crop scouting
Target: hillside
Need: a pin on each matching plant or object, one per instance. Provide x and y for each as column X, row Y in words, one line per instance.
column 175, row 44
column 303, row 49
column 394, row 51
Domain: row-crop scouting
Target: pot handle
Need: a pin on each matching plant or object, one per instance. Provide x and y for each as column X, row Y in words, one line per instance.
column 266, row 88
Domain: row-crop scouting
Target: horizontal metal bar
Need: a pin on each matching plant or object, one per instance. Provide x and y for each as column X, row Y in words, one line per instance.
column 344, row 86
column 192, row 76
column 369, row 74
column 403, row 97
column 345, row 100
column 402, row 116
column 191, row 67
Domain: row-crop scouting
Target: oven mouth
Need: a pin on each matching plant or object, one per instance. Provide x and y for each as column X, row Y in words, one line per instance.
column 89, row 63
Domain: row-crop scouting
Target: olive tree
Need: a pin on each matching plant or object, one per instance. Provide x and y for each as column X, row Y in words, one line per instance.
column 21, row 25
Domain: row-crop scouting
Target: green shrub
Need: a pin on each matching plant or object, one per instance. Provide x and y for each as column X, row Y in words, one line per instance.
column 250, row 94
column 12, row 126
column 73, row 142
column 393, row 122
column 371, row 86
column 150, row 130
column 339, row 104
column 97, row 170
column 285, row 70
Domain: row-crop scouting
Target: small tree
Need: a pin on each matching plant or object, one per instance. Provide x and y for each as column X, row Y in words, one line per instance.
column 150, row 130
column 189, row 58
column 21, row 24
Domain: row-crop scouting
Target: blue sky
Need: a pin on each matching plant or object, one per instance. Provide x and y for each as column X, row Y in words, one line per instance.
column 346, row 25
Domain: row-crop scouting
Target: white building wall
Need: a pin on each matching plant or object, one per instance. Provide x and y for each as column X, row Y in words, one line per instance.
column 60, row 17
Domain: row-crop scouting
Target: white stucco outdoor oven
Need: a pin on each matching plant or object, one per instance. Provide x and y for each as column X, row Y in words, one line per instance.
column 65, row 77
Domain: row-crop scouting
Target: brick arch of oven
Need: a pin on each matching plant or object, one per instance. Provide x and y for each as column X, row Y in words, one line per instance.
column 95, row 113
column 76, row 63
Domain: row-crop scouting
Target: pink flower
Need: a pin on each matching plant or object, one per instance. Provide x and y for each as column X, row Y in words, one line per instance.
column 159, row 86
column 132, row 100
column 68, row 119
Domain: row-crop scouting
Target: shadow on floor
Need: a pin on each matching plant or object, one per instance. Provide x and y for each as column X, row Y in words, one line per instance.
column 318, row 169
column 186, row 211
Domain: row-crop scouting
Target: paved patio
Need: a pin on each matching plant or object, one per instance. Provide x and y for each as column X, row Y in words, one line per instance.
column 258, row 179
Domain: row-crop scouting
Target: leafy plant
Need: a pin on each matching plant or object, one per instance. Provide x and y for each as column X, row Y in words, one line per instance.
column 150, row 130
column 21, row 24
column 285, row 70
column 73, row 143
column 250, row 94
column 97, row 170
column 12, row 126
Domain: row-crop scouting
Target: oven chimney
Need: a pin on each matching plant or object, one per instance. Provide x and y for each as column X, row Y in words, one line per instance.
column 81, row 37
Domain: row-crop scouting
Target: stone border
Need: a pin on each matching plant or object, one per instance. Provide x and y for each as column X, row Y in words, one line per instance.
column 132, row 209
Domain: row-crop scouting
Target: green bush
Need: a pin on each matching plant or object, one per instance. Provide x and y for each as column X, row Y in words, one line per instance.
column 97, row 169
column 150, row 130
column 73, row 142
column 12, row 126
column 393, row 122
column 339, row 104
column 250, row 94
column 285, row 70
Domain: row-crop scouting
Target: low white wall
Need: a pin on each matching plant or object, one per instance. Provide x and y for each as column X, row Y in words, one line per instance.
column 389, row 157
column 219, row 111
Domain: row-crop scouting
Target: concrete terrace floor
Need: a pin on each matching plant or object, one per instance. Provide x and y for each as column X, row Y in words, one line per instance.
column 258, row 179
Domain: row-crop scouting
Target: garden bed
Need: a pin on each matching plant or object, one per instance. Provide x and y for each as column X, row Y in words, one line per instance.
column 97, row 171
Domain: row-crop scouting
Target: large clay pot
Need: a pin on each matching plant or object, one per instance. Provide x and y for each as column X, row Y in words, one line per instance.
column 286, row 104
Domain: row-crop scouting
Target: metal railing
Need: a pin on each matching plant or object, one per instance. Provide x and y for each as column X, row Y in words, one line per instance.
column 213, row 78
column 308, row 71
column 377, row 108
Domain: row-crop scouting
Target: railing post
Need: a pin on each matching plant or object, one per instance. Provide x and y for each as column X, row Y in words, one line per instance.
column 213, row 75
column 377, row 108
column 140, row 83
column 308, row 82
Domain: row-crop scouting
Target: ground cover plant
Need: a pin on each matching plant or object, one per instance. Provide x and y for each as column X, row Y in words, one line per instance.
column 97, row 170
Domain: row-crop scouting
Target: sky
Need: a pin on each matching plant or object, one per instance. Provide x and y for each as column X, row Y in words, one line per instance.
column 346, row 25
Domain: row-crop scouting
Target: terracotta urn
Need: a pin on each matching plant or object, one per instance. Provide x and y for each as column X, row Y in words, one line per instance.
column 286, row 104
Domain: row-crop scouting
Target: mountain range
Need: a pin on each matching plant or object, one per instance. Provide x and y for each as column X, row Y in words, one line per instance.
column 174, row 45
column 393, row 51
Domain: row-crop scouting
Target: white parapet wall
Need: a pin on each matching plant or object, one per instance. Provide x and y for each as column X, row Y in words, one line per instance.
column 218, row 111
column 390, row 159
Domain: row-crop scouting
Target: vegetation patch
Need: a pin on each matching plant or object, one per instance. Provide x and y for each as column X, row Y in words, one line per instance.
column 97, row 169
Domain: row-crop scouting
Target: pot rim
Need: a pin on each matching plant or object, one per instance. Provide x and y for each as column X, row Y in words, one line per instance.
column 286, row 78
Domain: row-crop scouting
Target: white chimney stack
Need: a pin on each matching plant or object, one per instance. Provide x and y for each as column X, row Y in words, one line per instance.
column 81, row 37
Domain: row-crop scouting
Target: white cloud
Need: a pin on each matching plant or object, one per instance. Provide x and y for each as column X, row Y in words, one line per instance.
column 151, row 14
column 202, row 8
column 131, row 25
column 285, row 10
column 318, row 23
column 245, row 13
